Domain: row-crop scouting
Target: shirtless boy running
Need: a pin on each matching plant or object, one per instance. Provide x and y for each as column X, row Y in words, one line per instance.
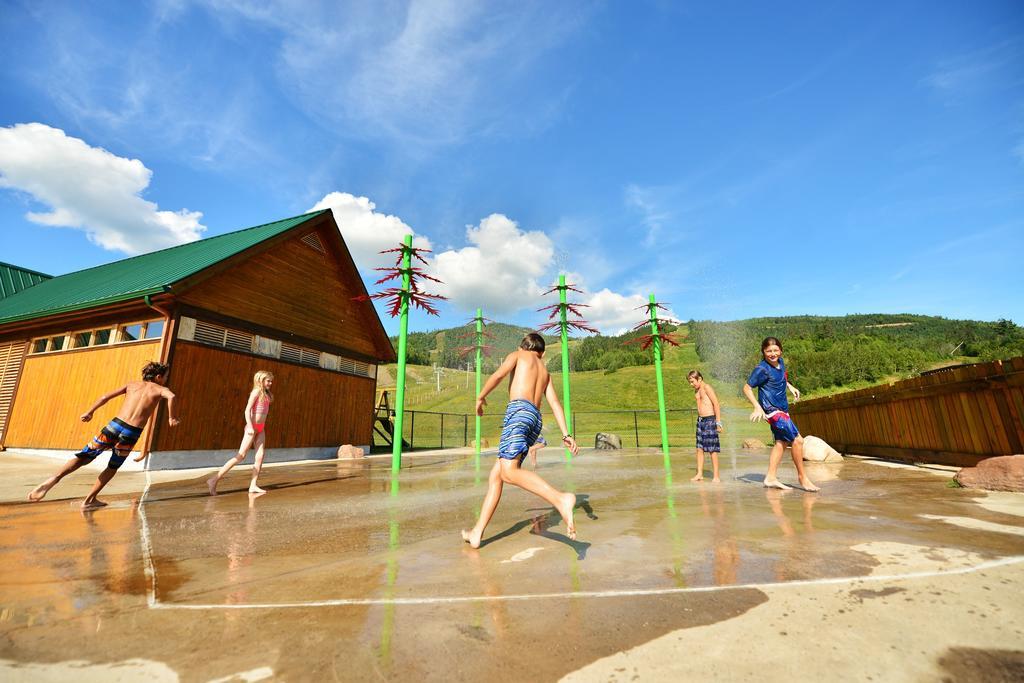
column 521, row 429
column 120, row 434
column 709, row 424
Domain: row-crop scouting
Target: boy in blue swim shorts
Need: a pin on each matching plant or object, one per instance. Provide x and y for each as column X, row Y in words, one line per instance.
column 520, row 431
column 120, row 434
column 772, row 381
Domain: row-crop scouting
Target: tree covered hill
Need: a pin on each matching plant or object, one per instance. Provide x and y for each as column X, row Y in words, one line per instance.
column 824, row 352
column 820, row 351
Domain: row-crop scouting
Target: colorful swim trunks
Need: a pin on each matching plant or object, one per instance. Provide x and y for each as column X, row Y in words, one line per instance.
column 118, row 436
column 783, row 427
column 520, row 429
column 707, row 435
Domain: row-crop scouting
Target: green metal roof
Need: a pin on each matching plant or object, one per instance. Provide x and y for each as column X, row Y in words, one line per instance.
column 14, row 279
column 134, row 278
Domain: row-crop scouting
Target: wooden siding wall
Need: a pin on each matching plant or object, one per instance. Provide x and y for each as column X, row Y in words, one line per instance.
column 55, row 389
column 311, row 407
column 291, row 287
column 954, row 417
column 12, row 354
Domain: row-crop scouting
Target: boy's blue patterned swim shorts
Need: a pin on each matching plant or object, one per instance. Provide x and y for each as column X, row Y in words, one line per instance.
column 707, row 435
column 520, row 429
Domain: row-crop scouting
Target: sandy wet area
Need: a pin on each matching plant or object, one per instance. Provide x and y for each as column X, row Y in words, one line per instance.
column 339, row 574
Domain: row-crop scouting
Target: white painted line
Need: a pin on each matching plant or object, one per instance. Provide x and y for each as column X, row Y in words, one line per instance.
column 341, row 602
column 147, row 547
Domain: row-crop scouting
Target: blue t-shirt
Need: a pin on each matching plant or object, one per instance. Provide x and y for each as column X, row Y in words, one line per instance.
column 771, row 386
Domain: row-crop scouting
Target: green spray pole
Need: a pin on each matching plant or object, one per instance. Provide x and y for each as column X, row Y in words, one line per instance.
column 403, row 333
column 661, row 382
column 562, row 301
column 479, row 385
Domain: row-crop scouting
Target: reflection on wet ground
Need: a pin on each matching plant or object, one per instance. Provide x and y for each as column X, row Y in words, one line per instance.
column 341, row 566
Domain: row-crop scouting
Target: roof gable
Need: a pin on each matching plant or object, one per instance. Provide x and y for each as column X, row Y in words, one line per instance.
column 13, row 279
column 138, row 276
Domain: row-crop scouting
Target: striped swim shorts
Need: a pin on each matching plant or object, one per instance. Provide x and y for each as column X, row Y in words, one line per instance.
column 118, row 436
column 520, row 430
column 783, row 427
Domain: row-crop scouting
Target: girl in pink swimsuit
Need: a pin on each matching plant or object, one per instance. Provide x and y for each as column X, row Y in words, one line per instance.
column 256, row 410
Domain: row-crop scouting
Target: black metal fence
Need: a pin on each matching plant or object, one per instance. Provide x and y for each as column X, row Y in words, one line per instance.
column 425, row 429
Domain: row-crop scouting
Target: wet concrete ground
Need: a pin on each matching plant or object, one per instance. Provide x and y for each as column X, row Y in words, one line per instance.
column 336, row 575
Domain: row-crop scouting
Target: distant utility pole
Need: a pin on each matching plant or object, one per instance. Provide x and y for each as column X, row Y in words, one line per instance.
column 957, row 347
column 437, row 374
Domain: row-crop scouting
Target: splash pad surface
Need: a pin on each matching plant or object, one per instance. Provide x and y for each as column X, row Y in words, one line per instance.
column 332, row 550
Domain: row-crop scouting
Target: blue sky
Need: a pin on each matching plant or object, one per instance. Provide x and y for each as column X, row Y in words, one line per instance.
column 737, row 159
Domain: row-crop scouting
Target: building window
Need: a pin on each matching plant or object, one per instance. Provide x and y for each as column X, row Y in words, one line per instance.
column 39, row 346
column 131, row 332
column 101, row 337
column 56, row 343
column 81, row 340
column 154, row 329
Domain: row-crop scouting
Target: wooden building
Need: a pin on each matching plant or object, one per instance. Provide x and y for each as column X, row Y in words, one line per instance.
column 275, row 297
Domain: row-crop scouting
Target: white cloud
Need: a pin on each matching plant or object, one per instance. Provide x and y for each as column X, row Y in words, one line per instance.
column 365, row 231
column 90, row 189
column 499, row 271
column 615, row 313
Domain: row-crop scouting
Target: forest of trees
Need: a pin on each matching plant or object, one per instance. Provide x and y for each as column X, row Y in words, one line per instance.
column 822, row 352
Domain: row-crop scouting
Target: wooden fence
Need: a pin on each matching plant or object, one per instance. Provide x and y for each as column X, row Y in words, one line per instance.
column 955, row 416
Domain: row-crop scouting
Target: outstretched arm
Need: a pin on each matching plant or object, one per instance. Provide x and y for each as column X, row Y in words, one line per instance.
column 556, row 408
column 758, row 413
column 87, row 415
column 507, row 366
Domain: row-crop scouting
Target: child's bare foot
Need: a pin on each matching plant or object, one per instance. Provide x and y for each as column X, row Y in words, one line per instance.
column 716, row 480
column 472, row 538
column 211, row 484
column 92, row 504
column 808, row 485
column 253, row 488
column 697, row 477
column 775, row 484
column 38, row 493
column 140, row 457
column 568, row 502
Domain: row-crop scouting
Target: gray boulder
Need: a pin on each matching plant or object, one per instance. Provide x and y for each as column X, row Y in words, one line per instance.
column 607, row 442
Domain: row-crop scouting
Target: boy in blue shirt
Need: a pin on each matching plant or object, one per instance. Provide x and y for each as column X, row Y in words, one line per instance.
column 772, row 381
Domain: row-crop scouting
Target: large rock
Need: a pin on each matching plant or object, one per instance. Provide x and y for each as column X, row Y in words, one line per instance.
column 816, row 450
column 347, row 452
column 484, row 443
column 754, row 443
column 607, row 442
column 1002, row 473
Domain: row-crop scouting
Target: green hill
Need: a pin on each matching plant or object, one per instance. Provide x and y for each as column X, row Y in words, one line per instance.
column 825, row 354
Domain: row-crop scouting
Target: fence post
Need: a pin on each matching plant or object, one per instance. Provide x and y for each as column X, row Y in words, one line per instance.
column 442, row 430
column 636, row 429
column 465, row 429
column 412, row 428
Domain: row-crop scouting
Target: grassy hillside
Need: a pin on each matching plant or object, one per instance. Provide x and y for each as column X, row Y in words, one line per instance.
column 827, row 355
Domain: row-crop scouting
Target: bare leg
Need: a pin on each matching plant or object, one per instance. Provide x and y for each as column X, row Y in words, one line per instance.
column 39, row 492
column 261, row 440
column 700, row 466
column 564, row 502
column 798, row 460
column 771, row 480
column 91, row 501
column 494, row 487
column 212, row 482
column 714, row 466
